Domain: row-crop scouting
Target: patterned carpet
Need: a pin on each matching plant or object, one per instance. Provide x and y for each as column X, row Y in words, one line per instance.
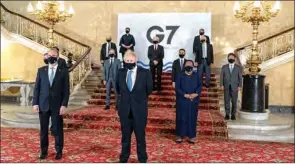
column 161, row 118
column 22, row 145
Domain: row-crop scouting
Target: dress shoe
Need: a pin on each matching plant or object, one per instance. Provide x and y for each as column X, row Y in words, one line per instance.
column 207, row 86
column 233, row 117
column 58, row 156
column 179, row 140
column 43, row 156
column 106, row 107
column 226, row 117
column 123, row 161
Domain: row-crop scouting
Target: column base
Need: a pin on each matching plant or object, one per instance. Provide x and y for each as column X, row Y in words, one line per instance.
column 254, row 116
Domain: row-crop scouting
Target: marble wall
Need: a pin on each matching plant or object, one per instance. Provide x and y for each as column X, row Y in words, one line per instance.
column 94, row 20
column 281, row 84
column 18, row 61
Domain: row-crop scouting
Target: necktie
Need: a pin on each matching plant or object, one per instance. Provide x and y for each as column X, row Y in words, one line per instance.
column 111, row 61
column 51, row 77
column 181, row 64
column 129, row 80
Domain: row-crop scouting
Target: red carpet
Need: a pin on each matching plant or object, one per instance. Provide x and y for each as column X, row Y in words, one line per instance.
column 161, row 118
column 22, row 145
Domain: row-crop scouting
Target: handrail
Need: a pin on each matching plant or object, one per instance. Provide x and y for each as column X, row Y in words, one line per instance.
column 267, row 38
column 269, row 47
column 78, row 61
column 37, row 32
column 54, row 31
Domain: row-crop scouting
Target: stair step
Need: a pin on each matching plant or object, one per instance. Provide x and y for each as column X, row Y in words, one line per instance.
column 202, row 106
column 163, row 92
column 115, row 126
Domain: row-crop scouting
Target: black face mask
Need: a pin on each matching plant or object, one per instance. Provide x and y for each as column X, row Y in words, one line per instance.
column 188, row 68
column 111, row 55
column 231, row 60
column 52, row 60
column 45, row 61
column 202, row 33
column 181, row 55
column 108, row 40
column 130, row 66
column 127, row 31
column 155, row 42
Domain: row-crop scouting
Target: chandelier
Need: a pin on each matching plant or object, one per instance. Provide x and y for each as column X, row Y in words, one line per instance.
column 51, row 12
column 255, row 12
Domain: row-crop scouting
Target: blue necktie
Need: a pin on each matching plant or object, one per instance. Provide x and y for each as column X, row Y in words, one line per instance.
column 51, row 77
column 129, row 81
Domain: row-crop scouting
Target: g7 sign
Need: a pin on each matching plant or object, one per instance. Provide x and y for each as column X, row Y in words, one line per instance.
column 161, row 36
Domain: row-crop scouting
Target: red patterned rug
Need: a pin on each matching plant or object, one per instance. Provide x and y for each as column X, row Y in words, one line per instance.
column 161, row 118
column 22, row 145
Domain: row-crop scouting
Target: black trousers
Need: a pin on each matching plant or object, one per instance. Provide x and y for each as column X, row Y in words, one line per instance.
column 156, row 69
column 230, row 95
column 57, row 127
column 127, row 128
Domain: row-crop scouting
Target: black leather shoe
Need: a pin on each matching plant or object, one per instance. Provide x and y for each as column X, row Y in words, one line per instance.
column 43, row 156
column 123, row 161
column 58, row 156
column 106, row 107
column 226, row 117
column 233, row 117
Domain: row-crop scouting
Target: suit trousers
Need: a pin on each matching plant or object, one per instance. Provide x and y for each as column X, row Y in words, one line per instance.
column 156, row 69
column 111, row 83
column 230, row 95
column 204, row 67
column 57, row 125
column 127, row 128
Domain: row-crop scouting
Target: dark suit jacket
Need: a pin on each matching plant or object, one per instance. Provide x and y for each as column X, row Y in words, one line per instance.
column 176, row 69
column 62, row 63
column 156, row 55
column 55, row 96
column 198, row 43
column 233, row 79
column 127, row 40
column 104, row 49
column 210, row 55
column 137, row 99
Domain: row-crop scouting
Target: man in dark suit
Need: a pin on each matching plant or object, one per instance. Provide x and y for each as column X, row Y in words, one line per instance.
column 127, row 42
column 61, row 62
column 51, row 95
column 231, row 83
column 204, row 57
column 177, row 65
column 134, row 84
column 156, row 55
column 105, row 48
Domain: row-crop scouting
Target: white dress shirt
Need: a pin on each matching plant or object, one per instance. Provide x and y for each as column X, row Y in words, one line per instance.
column 133, row 76
column 54, row 69
column 155, row 46
column 231, row 66
column 107, row 48
column 181, row 60
column 112, row 60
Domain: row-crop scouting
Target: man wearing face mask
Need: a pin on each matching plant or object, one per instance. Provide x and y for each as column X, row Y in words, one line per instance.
column 110, row 70
column 127, row 42
column 203, row 51
column 51, row 95
column 231, row 83
column 105, row 49
column 188, row 88
column 156, row 55
column 134, row 84
column 178, row 65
